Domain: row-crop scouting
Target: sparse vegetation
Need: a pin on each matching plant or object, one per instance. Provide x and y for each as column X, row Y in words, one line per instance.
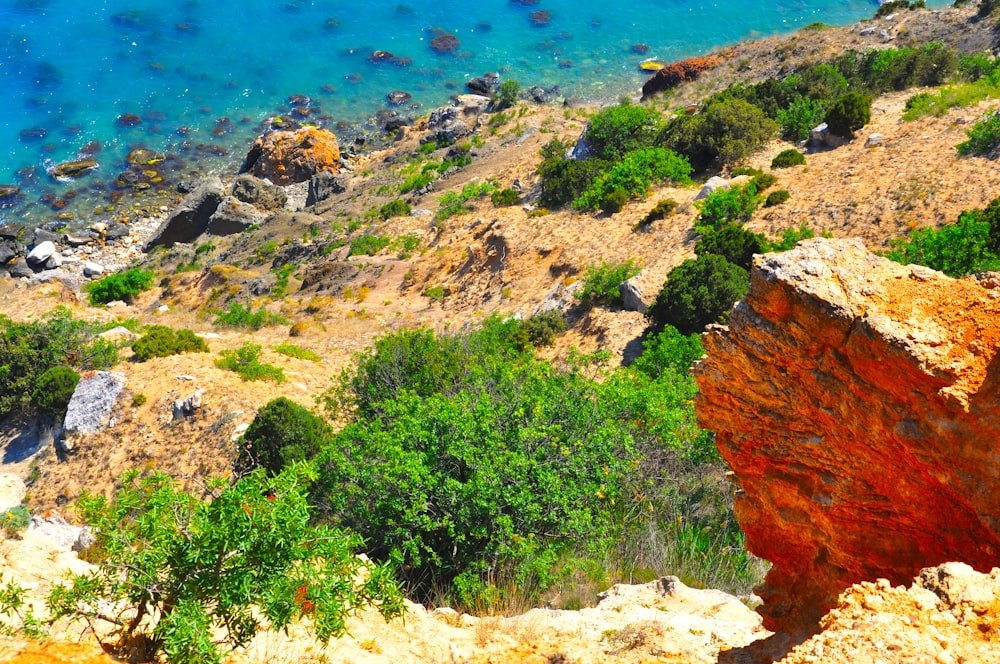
column 396, row 208
column 600, row 282
column 245, row 361
column 123, row 286
column 291, row 350
column 246, row 318
column 163, row 341
column 505, row 197
column 368, row 245
column 983, row 136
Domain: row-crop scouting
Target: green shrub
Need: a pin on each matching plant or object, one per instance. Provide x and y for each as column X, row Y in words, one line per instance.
column 788, row 158
column 731, row 241
column 396, row 208
column 632, row 177
column 975, row 66
column 618, row 130
column 668, row 351
column 987, row 7
column 776, row 198
column 983, row 136
column 725, row 132
column 506, row 95
column 245, row 361
column 416, row 181
column 281, row 434
column 505, row 197
column 139, row 399
column 823, row 82
column 894, row 6
column 698, row 292
column 291, row 350
column 452, row 203
column 246, row 318
column 734, row 205
column 54, row 389
column 564, row 180
column 763, row 181
column 848, row 114
column 798, row 120
column 123, row 286
column 368, row 245
column 956, row 249
column 435, row 293
column 661, row 210
column 210, row 575
column 542, row 328
column 791, row 237
column 162, row 341
column 600, row 282
column 15, row 519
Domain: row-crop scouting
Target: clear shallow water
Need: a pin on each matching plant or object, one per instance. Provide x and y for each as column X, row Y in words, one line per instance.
column 70, row 69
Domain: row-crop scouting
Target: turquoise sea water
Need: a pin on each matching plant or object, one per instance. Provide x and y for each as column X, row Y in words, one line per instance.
column 203, row 75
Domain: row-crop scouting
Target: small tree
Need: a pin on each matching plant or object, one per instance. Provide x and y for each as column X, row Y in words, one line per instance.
column 54, row 389
column 173, row 569
column 698, row 292
column 282, row 432
column 848, row 114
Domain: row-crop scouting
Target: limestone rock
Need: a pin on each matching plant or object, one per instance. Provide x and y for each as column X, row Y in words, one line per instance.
column 232, row 216
column 41, row 253
column 12, row 491
column 287, row 157
column 187, row 407
column 856, row 401
column 324, row 185
column 632, row 296
column 190, row 218
column 89, row 409
column 820, row 135
column 713, row 184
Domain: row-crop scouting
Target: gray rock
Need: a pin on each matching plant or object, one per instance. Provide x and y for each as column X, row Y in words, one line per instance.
column 873, row 140
column 450, row 131
column 632, row 296
column 71, row 281
column 561, row 298
column 439, row 116
column 473, row 104
column 84, row 540
column 115, row 231
column 19, row 269
column 324, row 184
column 94, row 399
column 188, row 407
column 820, row 135
column 259, row 193
column 119, row 334
column 713, row 184
column 76, row 240
column 865, row 32
column 42, row 235
column 41, row 253
column 483, row 85
column 54, row 262
column 7, row 252
column 92, row 269
column 190, row 218
column 232, row 216
column 582, row 150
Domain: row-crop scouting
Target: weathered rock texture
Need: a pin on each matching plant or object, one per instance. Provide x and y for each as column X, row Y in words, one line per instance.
column 856, row 401
column 287, row 157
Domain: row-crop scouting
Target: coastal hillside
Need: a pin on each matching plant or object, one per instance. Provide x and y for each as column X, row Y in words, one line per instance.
column 353, row 339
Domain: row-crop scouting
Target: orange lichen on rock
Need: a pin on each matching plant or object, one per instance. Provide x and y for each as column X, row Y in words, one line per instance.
column 287, row 157
column 856, row 401
column 675, row 73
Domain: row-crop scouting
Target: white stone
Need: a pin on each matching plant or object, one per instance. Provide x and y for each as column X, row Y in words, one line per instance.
column 41, row 253
column 92, row 269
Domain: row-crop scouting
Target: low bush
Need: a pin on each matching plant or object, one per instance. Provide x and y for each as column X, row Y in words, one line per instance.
column 291, row 350
column 505, row 197
column 416, row 181
column 956, row 249
column 124, row 286
column 15, row 519
column 788, row 158
column 733, row 242
column 506, row 95
column 368, row 245
column 698, row 292
column 617, row 130
column 163, row 341
column 661, row 210
column 668, row 351
column 763, row 181
column 395, row 208
column 632, row 177
column 734, row 205
column 848, row 114
column 791, row 237
column 600, row 282
column 281, row 434
column 798, row 120
column 564, row 180
column 776, row 198
column 54, row 389
column 983, row 136
column 724, row 132
column 542, row 328
column 246, row 318
column 245, row 361
column 452, row 203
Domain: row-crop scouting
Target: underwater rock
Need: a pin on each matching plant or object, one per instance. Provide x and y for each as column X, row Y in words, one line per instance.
column 445, row 43
column 73, row 169
column 398, row 97
column 128, row 120
column 144, row 157
column 483, row 85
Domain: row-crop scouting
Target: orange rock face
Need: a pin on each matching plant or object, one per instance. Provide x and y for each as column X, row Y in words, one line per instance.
column 287, row 157
column 856, row 400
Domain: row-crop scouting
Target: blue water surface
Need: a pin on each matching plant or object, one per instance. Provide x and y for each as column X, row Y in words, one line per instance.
column 206, row 73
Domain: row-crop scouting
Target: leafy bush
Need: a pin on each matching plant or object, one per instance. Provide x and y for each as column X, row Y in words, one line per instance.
column 542, row 328
column 617, row 130
column 667, row 351
column 632, row 177
column 798, row 120
column 173, row 569
column 281, row 434
column 956, row 249
column 987, row 7
column 245, row 317
column 733, row 242
column 848, row 114
column 975, row 66
column 123, row 286
column 661, row 210
column 291, row 350
column 505, row 197
column 791, row 237
column 823, row 82
column 54, row 389
column 28, row 350
column 15, row 519
column 507, row 95
column 163, row 341
column 894, row 6
column 452, row 203
column 725, row 132
column 416, row 181
column 600, row 282
column 245, row 361
column 368, row 245
column 734, row 205
column 788, row 158
column 395, row 208
column 763, row 181
column 564, row 180
column 698, row 292
column 776, row 198
column 983, row 136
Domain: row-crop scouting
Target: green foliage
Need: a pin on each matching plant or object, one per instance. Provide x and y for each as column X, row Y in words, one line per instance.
column 163, row 341
column 54, row 389
column 848, row 114
column 894, row 6
column 617, row 130
column 984, row 135
column 291, row 350
column 798, row 120
column 29, row 349
column 245, row 361
column 820, row 83
column 124, row 286
column 661, row 210
column 368, row 245
column 15, row 519
column 505, row 197
column 725, row 132
column 633, row 176
column 452, row 203
column 698, row 292
column 541, row 329
column 731, row 241
column 246, row 318
column 395, row 208
column 564, row 180
column 281, row 434
column 987, row 7
column 788, row 158
column 416, row 181
column 506, row 95
column 669, row 350
column 975, row 66
column 791, row 237
column 776, row 198
column 173, row 569
column 763, row 181
column 600, row 282
column 435, row 293
column 139, row 399
column 734, row 205
column 956, row 249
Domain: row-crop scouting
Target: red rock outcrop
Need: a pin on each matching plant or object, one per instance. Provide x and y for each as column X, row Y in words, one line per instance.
column 287, row 157
column 856, row 401
column 675, row 73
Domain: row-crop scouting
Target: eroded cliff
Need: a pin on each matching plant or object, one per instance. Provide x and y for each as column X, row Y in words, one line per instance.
column 856, row 401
